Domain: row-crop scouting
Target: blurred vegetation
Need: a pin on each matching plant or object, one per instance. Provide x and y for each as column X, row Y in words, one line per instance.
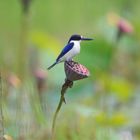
column 105, row 106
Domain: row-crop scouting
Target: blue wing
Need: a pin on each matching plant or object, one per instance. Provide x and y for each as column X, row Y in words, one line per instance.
column 66, row 49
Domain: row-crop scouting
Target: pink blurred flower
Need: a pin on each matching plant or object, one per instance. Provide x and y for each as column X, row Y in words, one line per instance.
column 124, row 26
column 40, row 77
column 14, row 80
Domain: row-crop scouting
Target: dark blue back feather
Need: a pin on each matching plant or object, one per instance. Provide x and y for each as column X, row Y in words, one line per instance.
column 66, row 49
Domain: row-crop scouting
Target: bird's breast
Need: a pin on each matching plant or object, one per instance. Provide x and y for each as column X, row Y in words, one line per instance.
column 73, row 52
column 76, row 48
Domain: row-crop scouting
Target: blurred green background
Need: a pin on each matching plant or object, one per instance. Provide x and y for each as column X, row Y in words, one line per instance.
column 105, row 106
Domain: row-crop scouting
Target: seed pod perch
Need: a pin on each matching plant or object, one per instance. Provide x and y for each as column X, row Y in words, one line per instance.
column 74, row 71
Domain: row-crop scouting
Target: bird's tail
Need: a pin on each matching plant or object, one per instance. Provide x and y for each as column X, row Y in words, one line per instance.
column 52, row 65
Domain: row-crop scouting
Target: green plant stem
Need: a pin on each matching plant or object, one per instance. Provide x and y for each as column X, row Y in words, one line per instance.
column 22, row 60
column 65, row 86
column 22, row 52
column 23, row 44
column 1, row 111
column 57, row 111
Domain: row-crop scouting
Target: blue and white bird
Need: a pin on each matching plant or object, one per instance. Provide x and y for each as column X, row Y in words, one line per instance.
column 70, row 50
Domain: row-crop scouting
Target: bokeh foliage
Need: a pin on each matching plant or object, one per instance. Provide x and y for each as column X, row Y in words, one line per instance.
column 104, row 106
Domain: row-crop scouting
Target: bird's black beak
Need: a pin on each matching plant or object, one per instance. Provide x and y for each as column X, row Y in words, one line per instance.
column 86, row 39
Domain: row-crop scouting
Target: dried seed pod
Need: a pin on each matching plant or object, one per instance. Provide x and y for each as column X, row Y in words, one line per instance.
column 75, row 71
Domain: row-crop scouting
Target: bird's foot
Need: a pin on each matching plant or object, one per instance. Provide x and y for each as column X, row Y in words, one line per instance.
column 68, row 62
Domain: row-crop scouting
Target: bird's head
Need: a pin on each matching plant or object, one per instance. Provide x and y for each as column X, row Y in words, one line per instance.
column 78, row 38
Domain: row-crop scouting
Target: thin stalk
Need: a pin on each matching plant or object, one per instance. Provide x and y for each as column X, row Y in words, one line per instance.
column 23, row 59
column 56, row 112
column 1, row 110
column 65, row 86
column 22, row 55
column 23, row 46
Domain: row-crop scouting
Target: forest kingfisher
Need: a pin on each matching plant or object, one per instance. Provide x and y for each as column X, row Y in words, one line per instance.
column 70, row 50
